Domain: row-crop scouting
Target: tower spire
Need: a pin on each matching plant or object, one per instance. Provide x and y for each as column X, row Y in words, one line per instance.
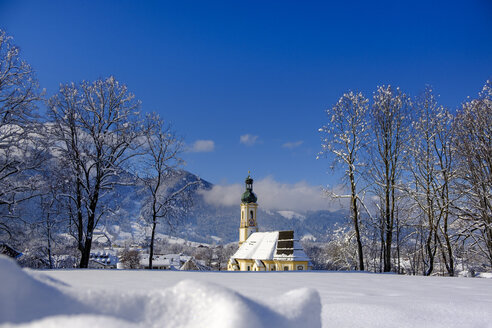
column 249, row 196
column 248, row 211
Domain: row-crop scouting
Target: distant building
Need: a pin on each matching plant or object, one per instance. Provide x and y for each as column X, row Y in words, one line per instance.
column 164, row 262
column 194, row 265
column 173, row 262
column 264, row 251
column 103, row 260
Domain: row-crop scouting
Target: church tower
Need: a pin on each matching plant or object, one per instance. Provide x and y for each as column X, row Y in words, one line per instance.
column 248, row 212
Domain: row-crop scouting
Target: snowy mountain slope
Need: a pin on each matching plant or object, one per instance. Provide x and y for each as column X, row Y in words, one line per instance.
column 210, row 223
column 203, row 223
column 133, row 298
column 291, row 214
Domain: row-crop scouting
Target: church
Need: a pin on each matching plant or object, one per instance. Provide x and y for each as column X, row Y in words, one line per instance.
column 264, row 251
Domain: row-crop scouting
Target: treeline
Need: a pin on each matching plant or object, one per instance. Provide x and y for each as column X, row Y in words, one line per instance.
column 419, row 178
column 68, row 163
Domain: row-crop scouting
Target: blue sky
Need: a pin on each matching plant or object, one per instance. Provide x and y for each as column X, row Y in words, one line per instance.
column 263, row 70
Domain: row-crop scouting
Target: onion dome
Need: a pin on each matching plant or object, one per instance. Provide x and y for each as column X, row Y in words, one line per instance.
column 249, row 196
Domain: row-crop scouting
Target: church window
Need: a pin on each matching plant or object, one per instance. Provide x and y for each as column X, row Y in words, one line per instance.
column 250, row 214
column 249, row 269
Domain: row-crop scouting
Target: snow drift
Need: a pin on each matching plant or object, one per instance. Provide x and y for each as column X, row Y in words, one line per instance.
column 30, row 302
column 23, row 298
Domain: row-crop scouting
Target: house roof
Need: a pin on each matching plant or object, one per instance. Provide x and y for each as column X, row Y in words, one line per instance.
column 274, row 245
column 193, row 265
column 105, row 258
column 166, row 260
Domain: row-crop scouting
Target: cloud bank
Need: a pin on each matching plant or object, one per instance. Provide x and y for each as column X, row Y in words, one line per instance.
column 275, row 196
column 202, row 146
column 291, row 145
column 248, row 139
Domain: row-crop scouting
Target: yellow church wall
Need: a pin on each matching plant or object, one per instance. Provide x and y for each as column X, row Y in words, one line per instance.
column 246, row 265
column 270, row 265
column 291, row 265
column 248, row 223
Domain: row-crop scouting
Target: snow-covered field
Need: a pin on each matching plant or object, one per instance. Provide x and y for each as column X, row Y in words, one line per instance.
column 115, row 298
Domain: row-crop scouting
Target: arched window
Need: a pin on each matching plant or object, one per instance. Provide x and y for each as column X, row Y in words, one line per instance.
column 300, row 267
column 251, row 214
column 286, row 268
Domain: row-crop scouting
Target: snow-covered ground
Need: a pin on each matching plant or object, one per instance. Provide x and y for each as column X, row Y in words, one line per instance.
column 120, row 298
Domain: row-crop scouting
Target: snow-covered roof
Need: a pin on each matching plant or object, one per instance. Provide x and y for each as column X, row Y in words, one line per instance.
column 193, row 265
column 297, row 254
column 274, row 245
column 259, row 246
column 104, row 257
column 167, row 260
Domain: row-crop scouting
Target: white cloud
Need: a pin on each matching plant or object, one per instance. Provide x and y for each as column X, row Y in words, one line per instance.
column 275, row 196
column 293, row 144
column 248, row 139
column 225, row 195
column 202, row 146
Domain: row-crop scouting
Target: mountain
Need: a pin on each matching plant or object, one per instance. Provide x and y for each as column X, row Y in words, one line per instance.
column 204, row 222
column 208, row 223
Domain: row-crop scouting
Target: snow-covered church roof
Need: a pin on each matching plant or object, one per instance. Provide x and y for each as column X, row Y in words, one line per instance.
column 274, row 245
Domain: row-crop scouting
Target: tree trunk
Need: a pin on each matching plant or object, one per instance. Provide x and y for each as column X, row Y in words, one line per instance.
column 48, row 228
column 398, row 270
column 430, row 236
column 80, row 223
column 381, row 251
column 355, row 218
column 91, row 216
column 388, row 226
column 151, row 255
column 430, row 265
column 86, row 252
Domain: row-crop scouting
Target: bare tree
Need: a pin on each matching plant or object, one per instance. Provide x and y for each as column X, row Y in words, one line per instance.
column 431, row 169
column 97, row 131
column 51, row 206
column 224, row 253
column 473, row 143
column 204, row 253
column 169, row 198
column 390, row 122
column 19, row 93
column 446, row 181
column 345, row 138
column 130, row 258
column 19, row 89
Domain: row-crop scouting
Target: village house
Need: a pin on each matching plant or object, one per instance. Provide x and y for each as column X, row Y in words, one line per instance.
column 164, row 261
column 103, row 260
column 173, row 262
